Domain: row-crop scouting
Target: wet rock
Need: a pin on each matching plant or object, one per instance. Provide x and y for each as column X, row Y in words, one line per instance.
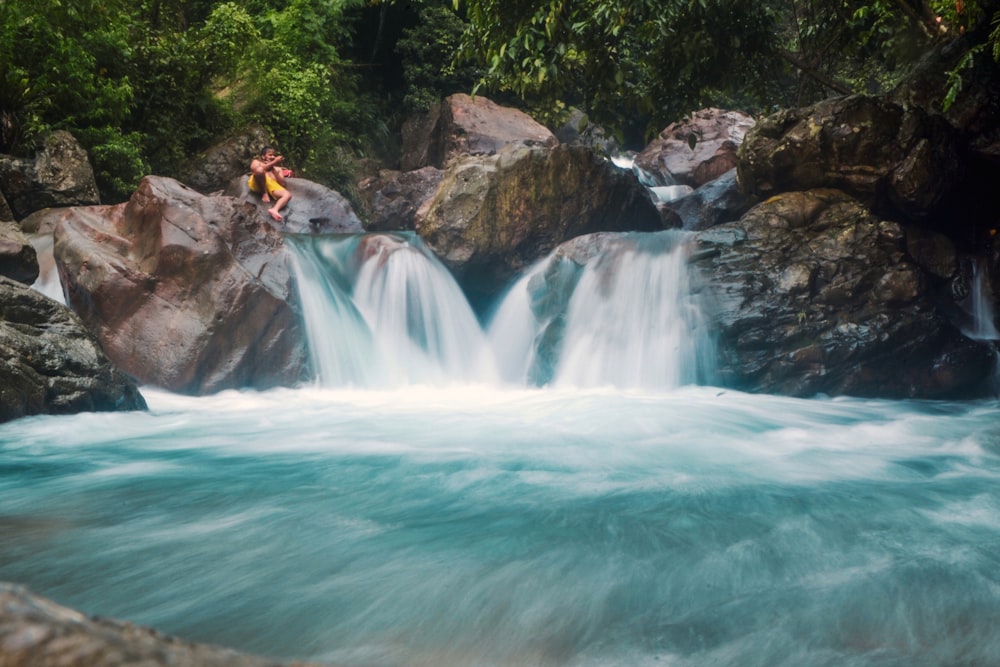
column 6, row 215
column 902, row 163
column 462, row 125
column 186, row 292
column 697, row 149
column 216, row 167
column 393, row 197
column 578, row 130
column 493, row 216
column 811, row 293
column 314, row 208
column 36, row 632
column 58, row 175
column 712, row 204
column 17, row 256
column 52, row 363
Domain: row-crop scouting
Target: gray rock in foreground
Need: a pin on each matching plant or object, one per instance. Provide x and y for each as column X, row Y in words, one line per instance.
column 36, row 632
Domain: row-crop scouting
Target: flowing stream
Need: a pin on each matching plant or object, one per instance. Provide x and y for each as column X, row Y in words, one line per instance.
column 562, row 487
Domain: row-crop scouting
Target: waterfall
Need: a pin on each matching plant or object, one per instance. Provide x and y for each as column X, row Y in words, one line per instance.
column 608, row 309
column 604, row 309
column 381, row 311
column 979, row 306
column 48, row 282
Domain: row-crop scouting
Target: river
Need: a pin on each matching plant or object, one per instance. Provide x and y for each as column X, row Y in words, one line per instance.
column 418, row 518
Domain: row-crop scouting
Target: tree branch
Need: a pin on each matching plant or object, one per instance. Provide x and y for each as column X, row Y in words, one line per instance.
column 819, row 77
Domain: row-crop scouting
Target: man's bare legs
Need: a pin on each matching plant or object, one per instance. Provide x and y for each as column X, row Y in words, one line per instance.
column 283, row 197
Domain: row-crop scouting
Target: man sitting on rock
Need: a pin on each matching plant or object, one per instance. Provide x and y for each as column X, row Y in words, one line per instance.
column 268, row 180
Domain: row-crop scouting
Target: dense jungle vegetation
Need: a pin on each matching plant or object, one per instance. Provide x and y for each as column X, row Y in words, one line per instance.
column 147, row 84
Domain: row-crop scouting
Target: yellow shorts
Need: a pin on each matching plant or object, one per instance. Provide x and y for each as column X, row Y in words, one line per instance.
column 269, row 180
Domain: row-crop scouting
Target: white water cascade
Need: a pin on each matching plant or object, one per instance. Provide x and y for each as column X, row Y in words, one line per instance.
column 625, row 317
column 979, row 306
column 381, row 310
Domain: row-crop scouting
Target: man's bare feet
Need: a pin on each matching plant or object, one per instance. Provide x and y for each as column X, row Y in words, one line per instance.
column 274, row 214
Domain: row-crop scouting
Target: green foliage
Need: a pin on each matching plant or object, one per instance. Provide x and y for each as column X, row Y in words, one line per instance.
column 147, row 84
column 61, row 67
column 620, row 58
column 428, row 51
column 312, row 30
column 66, row 65
column 118, row 159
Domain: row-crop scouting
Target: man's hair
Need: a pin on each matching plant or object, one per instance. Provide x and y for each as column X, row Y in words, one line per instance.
column 266, row 149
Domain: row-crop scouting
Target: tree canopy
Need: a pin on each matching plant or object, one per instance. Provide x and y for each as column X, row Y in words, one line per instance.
column 146, row 84
column 660, row 59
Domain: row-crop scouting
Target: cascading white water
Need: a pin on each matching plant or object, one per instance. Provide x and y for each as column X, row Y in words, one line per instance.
column 380, row 310
column 979, row 305
column 48, row 282
column 620, row 315
column 340, row 342
column 632, row 322
column 424, row 328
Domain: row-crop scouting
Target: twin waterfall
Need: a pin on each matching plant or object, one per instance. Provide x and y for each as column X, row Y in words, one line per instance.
column 381, row 311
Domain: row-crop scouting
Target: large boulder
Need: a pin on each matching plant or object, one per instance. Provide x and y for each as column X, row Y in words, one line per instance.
column 59, row 175
column 220, row 164
column 714, row 203
column 392, row 198
column 187, row 292
column 314, row 208
column 36, row 632
column 463, row 125
column 810, row 293
column 900, row 162
column 493, row 216
column 697, row 149
column 52, row 363
column 578, row 130
column 17, row 256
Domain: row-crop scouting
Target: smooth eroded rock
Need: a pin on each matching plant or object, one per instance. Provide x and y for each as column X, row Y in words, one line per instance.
column 187, row 292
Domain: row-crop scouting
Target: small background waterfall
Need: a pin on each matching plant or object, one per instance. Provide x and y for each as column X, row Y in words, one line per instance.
column 561, row 488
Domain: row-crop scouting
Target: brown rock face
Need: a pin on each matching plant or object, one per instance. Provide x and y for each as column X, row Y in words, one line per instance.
column 35, row 632
column 899, row 162
column 393, row 197
column 696, row 150
column 186, row 292
column 811, row 293
column 462, row 125
column 51, row 363
column 494, row 216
